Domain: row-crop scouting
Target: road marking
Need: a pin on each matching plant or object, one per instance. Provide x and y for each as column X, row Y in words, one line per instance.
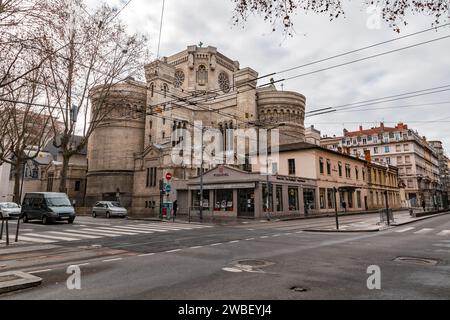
column 172, row 251
column 298, row 232
column 153, row 229
column 444, row 233
column 404, row 230
column 40, row 271
column 125, row 229
column 276, row 235
column 442, row 250
column 27, row 239
column 136, row 229
column 85, row 236
column 93, row 232
column 264, row 237
column 115, row 231
column 234, row 241
column 111, row 260
column 83, row 264
column 249, row 239
column 215, row 244
column 441, row 245
column 50, row 237
column 146, row 255
column 197, row 247
column 424, row 231
column 288, row 234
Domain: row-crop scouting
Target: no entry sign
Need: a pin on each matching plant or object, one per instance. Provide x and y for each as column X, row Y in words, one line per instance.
column 168, row 176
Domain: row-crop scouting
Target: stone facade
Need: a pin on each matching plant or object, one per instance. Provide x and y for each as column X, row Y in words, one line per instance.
column 130, row 152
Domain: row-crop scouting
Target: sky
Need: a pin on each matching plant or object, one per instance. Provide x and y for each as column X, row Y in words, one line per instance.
column 255, row 45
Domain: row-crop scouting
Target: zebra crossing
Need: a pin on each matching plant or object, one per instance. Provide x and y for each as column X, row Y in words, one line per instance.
column 84, row 232
column 424, row 231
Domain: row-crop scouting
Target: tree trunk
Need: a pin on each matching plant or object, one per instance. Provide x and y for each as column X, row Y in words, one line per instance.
column 63, row 174
column 18, row 180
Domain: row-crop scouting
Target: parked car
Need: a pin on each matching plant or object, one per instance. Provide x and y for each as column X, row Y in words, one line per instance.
column 109, row 209
column 48, row 207
column 10, row 210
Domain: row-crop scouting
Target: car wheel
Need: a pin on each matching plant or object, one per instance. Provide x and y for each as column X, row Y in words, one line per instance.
column 94, row 215
column 25, row 219
column 44, row 220
column 108, row 215
column 71, row 220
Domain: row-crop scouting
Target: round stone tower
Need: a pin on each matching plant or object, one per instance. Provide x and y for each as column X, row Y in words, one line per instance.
column 284, row 108
column 115, row 142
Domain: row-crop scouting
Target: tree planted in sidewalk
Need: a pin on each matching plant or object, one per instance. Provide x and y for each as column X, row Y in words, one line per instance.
column 25, row 126
column 99, row 53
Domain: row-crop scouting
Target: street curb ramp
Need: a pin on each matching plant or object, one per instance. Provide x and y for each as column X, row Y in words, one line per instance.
column 17, row 280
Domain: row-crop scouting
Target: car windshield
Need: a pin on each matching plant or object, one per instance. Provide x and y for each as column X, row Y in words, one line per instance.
column 58, row 202
column 8, row 205
column 115, row 204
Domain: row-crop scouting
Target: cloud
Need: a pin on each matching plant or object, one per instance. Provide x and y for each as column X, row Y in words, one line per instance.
column 256, row 46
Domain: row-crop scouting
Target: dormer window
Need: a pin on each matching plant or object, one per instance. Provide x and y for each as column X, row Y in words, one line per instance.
column 202, row 75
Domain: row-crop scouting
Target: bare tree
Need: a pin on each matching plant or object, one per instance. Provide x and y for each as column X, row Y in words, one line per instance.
column 23, row 26
column 25, row 126
column 100, row 53
column 394, row 12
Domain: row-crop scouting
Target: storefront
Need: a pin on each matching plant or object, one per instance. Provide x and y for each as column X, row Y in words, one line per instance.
column 229, row 192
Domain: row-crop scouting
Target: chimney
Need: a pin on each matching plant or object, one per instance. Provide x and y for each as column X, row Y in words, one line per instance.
column 367, row 155
column 360, row 128
column 345, row 131
column 382, row 125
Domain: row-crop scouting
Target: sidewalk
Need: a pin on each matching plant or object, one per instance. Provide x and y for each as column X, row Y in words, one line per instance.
column 373, row 224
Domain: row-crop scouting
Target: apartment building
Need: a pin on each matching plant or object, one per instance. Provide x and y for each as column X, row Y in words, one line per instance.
column 400, row 146
column 444, row 172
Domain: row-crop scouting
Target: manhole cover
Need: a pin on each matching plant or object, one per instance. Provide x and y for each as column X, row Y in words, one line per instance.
column 299, row 289
column 254, row 263
column 415, row 260
column 248, row 265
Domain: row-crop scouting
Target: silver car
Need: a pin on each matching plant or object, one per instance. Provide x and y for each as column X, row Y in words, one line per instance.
column 10, row 209
column 109, row 209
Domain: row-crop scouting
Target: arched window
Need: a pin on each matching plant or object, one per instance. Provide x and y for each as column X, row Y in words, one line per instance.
column 202, row 75
column 165, row 89
column 152, row 89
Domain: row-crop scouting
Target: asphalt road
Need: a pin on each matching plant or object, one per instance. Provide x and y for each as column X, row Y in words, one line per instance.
column 248, row 261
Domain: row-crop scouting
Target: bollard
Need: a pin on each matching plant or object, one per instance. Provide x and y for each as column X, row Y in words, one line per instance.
column 7, row 233
column 1, row 230
column 17, row 230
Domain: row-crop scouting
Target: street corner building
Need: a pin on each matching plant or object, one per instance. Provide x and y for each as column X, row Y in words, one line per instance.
column 130, row 152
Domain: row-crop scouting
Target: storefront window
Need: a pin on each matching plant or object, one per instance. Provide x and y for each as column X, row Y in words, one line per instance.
column 279, row 200
column 265, row 193
column 358, row 199
column 330, row 198
column 293, row 199
column 309, row 195
column 322, row 198
column 196, row 199
column 223, row 200
column 350, row 199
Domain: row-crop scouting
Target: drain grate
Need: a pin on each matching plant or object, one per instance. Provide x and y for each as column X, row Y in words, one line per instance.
column 415, row 260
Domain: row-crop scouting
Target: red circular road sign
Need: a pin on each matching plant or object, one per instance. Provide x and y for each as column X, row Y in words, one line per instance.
column 168, row 176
